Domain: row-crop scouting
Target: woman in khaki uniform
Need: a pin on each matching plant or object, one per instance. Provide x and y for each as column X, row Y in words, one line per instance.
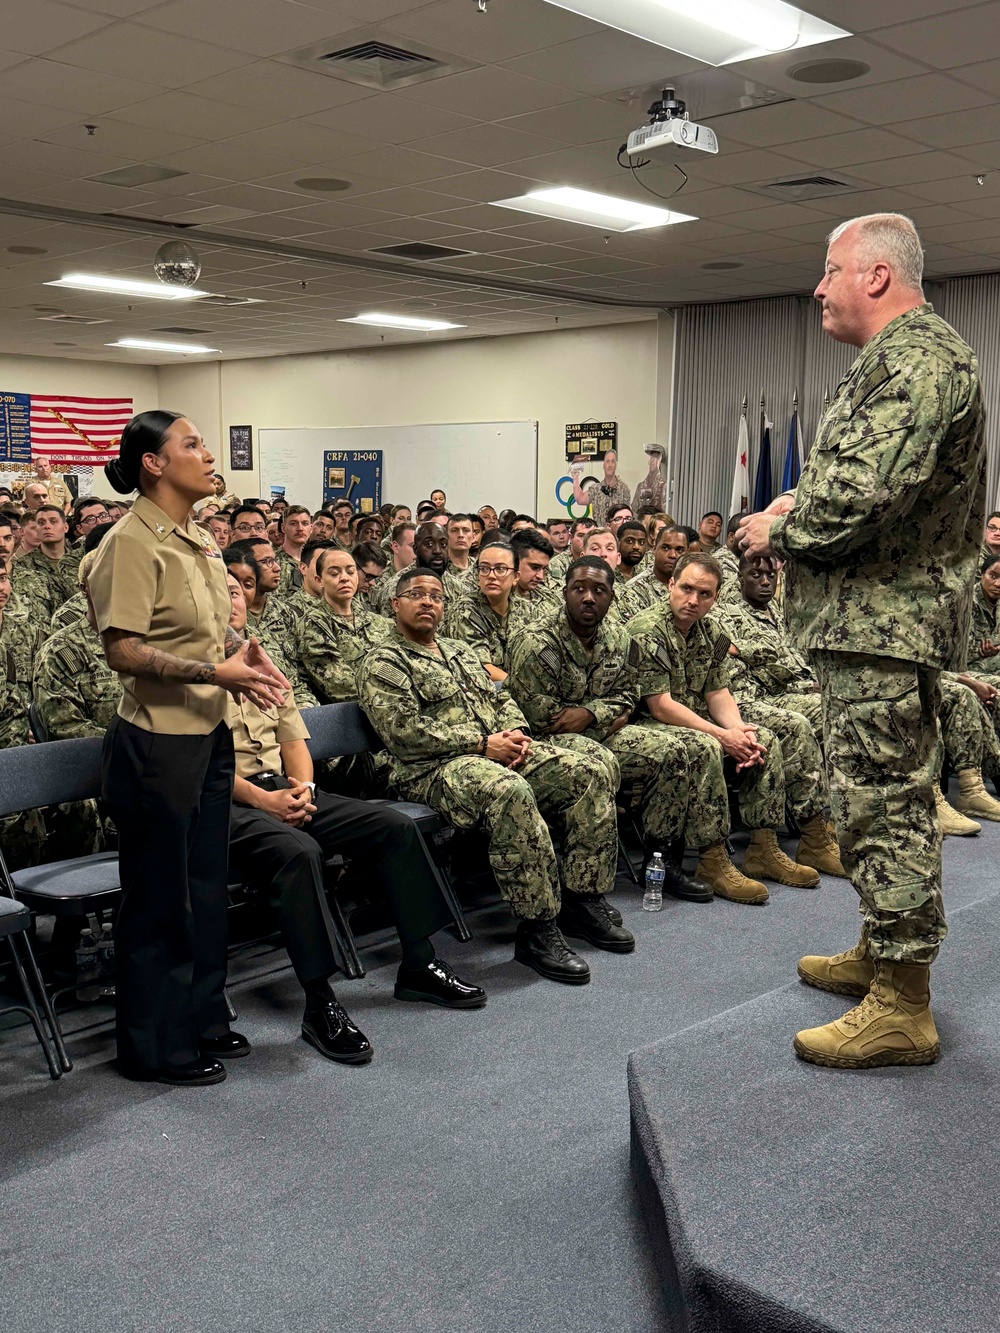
column 162, row 604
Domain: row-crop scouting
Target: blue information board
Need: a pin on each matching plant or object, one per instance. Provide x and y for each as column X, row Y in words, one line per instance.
column 15, row 429
column 354, row 475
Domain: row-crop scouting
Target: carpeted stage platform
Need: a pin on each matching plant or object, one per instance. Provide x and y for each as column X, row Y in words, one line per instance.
column 476, row 1175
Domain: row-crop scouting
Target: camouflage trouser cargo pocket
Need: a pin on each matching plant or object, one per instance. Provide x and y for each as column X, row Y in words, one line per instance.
column 883, row 756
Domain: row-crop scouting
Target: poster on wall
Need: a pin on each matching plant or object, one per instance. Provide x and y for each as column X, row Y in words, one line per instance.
column 241, row 448
column 354, row 475
column 74, row 434
column 591, row 439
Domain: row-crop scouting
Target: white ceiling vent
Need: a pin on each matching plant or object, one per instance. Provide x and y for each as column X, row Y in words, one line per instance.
column 376, row 59
column 814, row 186
column 73, row 319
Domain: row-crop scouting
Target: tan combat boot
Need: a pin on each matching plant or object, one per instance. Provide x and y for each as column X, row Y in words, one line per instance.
column 973, row 798
column 717, row 871
column 847, row 973
column 766, row 859
column 891, row 1026
column 818, row 848
column 952, row 823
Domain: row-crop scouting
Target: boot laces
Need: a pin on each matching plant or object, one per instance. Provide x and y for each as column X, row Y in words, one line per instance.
column 552, row 937
column 870, row 1007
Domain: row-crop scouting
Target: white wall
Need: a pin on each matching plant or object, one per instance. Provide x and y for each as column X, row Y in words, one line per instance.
column 97, row 379
column 614, row 372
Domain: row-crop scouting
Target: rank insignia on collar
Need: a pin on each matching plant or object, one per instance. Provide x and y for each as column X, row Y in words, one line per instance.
column 159, row 527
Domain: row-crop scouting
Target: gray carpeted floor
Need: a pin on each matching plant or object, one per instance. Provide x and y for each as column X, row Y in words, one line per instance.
column 474, row 1176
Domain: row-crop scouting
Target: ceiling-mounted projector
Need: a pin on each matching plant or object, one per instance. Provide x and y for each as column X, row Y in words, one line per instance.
column 669, row 127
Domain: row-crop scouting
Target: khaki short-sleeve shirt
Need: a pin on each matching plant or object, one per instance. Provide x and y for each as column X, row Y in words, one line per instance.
column 166, row 582
column 258, row 736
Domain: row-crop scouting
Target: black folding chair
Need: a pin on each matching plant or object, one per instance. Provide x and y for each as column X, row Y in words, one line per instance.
column 15, row 926
column 342, row 729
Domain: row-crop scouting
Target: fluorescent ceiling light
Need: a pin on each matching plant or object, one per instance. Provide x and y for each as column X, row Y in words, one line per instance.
column 593, row 210
column 151, row 345
column 718, row 32
column 100, row 282
column 401, row 322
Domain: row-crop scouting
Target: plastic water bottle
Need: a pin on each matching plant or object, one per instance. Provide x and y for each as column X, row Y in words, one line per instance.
column 88, row 967
column 652, row 899
column 106, row 962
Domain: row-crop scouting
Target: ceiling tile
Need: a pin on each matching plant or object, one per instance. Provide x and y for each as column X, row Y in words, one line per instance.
column 862, row 15
column 406, row 200
column 283, row 88
column 587, row 121
column 508, row 30
column 196, row 116
column 178, row 61
column 904, row 99
column 20, row 120
column 391, row 119
column 985, row 74
column 396, row 166
column 41, row 25
column 83, row 90
column 137, row 143
column 485, row 145
column 262, row 27
column 605, row 62
column 960, row 127
column 254, row 197
column 913, row 169
column 773, row 70
column 470, row 92
column 781, row 123
column 300, row 141
column 944, row 40
column 756, row 164
column 221, row 159
column 487, row 186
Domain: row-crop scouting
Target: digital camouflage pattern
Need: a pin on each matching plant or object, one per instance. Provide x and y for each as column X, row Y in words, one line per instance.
column 768, row 666
column 984, row 626
column 43, row 584
column 689, row 668
column 604, row 498
column 639, row 594
column 883, row 754
column 20, row 640
column 76, row 692
column 383, row 590
column 727, row 562
column 884, row 537
column 676, row 774
column 72, row 610
column 967, row 730
column 431, row 712
column 330, row 648
column 470, row 619
column 275, row 627
column 291, row 575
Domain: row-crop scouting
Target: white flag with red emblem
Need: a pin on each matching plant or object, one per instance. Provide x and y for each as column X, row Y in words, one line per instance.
column 740, row 501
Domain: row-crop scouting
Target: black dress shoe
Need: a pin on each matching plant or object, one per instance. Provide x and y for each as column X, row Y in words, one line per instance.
column 195, row 1074
column 331, row 1030
column 588, row 919
column 230, row 1046
column 437, row 984
column 540, row 944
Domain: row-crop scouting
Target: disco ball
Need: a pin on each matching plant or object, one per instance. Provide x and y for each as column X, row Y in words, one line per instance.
column 177, row 263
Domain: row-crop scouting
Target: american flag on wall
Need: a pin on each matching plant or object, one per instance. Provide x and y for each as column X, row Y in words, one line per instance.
column 77, row 431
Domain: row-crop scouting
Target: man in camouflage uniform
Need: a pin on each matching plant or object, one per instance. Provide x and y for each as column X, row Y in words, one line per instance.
column 400, row 552
column 882, row 539
column 295, row 526
column 652, row 587
column 430, row 551
column 271, row 620
column 75, row 691
column 559, row 564
column 47, row 577
column 574, row 675
column 22, row 836
column 462, row 748
column 684, row 675
column 728, row 554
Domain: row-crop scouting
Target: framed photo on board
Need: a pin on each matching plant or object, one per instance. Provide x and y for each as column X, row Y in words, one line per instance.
column 241, row 448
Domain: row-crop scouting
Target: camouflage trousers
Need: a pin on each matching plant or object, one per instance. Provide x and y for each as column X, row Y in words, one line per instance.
column 883, row 754
column 801, row 757
column 55, row 833
column 967, row 730
column 683, row 788
column 571, row 787
column 809, row 705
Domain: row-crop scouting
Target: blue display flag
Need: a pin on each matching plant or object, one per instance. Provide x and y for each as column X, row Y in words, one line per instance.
column 793, row 454
column 763, row 491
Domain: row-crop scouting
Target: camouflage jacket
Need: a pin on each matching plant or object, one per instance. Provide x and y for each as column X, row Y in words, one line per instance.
column 329, row 647
column 640, row 593
column 729, row 562
column 472, row 620
column 768, row 665
column 76, row 692
column 20, row 639
column 428, row 708
column 383, row 590
column 558, row 566
column 275, row 628
column 291, row 575
column 685, row 668
column 69, row 612
column 604, row 498
column 984, row 626
column 884, row 537
column 551, row 669
column 43, row 585
column 298, row 602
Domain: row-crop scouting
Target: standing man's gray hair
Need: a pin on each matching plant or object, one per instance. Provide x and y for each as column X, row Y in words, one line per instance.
column 890, row 237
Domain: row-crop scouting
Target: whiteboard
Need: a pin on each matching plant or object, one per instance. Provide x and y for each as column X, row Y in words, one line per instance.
column 474, row 463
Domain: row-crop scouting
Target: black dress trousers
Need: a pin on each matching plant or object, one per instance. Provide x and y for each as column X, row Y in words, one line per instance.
column 170, row 797
column 288, row 863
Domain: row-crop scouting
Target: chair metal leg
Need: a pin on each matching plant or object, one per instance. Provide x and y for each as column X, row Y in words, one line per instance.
column 447, row 891
column 353, row 966
column 623, row 853
column 231, row 1013
column 47, row 1008
column 33, row 1013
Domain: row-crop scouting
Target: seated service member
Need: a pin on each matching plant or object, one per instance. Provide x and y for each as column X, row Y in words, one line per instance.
column 295, row 529
column 312, row 584
column 631, row 549
column 488, row 614
column 533, row 552
column 774, row 688
column 560, row 562
column 652, row 587
column 270, row 618
column 684, row 676
column 573, row 674
column 281, row 832
column 47, row 577
column 371, row 562
column 336, row 631
column 463, row 749
column 708, row 531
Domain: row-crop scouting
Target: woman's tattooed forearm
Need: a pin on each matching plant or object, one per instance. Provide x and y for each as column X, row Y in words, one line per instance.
column 131, row 655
